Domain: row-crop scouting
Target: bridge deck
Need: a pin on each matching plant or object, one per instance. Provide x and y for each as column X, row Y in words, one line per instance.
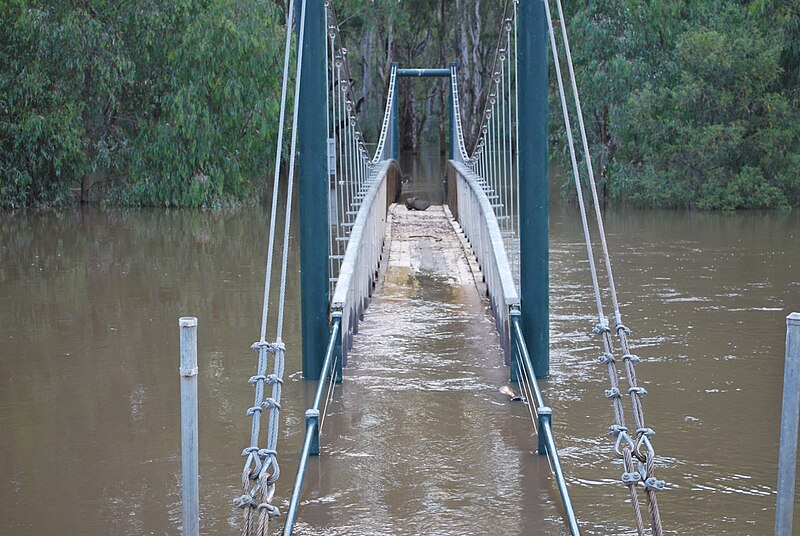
column 420, row 403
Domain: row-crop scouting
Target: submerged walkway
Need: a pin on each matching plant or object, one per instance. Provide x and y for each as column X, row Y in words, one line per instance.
column 419, row 440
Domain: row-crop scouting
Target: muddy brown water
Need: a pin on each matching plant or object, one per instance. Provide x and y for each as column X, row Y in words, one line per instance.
column 89, row 437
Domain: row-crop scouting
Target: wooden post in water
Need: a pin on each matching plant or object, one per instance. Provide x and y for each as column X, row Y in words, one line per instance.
column 787, row 457
column 189, row 451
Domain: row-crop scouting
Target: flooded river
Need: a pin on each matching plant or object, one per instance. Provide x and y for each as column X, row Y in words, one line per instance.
column 89, row 386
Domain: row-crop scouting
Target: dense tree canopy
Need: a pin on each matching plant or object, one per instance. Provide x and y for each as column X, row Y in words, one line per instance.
column 144, row 102
column 174, row 103
column 692, row 104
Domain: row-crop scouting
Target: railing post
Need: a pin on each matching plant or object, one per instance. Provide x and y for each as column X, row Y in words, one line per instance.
column 312, row 417
column 787, row 458
column 189, row 450
column 336, row 318
column 533, row 183
column 545, row 418
column 313, row 186
column 514, row 345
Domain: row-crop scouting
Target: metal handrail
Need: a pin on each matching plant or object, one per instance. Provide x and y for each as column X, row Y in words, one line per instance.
column 352, row 288
column 356, row 275
column 479, row 223
column 547, row 443
column 311, row 442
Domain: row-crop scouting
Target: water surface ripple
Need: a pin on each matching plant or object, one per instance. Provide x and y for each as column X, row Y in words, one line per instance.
column 89, row 386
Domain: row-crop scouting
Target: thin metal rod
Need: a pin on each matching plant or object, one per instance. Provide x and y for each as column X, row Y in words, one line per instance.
column 545, row 428
column 291, row 515
column 525, row 357
column 787, row 457
column 189, row 451
column 312, row 426
column 552, row 452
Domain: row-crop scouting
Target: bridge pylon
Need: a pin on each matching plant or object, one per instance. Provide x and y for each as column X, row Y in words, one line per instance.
column 533, row 183
column 313, row 184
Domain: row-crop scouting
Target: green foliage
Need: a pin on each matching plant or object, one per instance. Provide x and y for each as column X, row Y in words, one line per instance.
column 175, row 102
column 154, row 103
column 689, row 105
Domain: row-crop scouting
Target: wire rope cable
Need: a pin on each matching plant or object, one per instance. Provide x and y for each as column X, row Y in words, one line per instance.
column 625, row 447
column 261, row 470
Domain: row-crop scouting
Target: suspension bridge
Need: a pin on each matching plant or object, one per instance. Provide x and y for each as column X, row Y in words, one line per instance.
column 360, row 247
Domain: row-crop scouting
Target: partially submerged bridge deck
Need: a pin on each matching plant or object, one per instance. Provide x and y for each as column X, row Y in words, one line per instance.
column 420, row 403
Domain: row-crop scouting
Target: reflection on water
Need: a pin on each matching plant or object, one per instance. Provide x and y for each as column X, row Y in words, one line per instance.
column 89, row 384
column 424, row 175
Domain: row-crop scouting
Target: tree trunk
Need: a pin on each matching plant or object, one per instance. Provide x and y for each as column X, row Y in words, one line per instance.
column 366, row 71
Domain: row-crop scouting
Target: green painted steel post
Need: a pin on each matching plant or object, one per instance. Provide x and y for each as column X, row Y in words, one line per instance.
column 545, row 418
column 453, row 135
column 515, row 353
column 336, row 319
column 395, row 121
column 313, row 186
column 533, row 183
column 312, row 419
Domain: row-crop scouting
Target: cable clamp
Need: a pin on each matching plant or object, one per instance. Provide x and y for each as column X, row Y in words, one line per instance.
column 630, row 357
column 252, row 411
column 602, row 327
column 249, row 450
column 257, row 378
column 273, row 379
column 272, row 510
column 648, row 432
column 606, row 358
column 244, row 501
column 271, row 403
column 616, row 429
column 613, row 393
column 641, row 391
column 631, row 479
column 257, row 346
column 623, row 328
column 654, row 484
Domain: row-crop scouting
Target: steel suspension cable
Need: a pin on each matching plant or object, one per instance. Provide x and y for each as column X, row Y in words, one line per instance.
column 624, row 445
column 276, row 175
column 619, row 428
column 261, row 469
column 651, row 484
